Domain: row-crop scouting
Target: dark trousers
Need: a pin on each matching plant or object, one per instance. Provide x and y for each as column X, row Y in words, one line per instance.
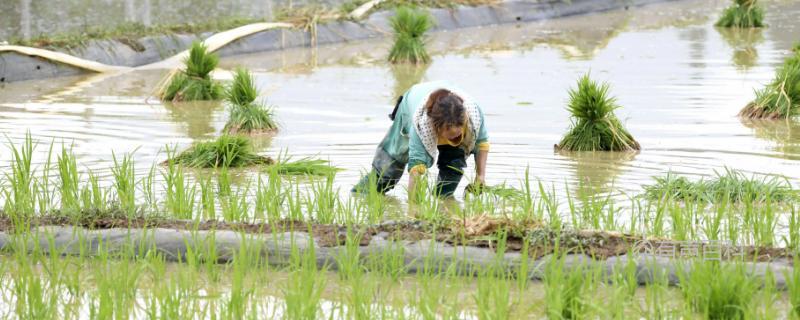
column 386, row 171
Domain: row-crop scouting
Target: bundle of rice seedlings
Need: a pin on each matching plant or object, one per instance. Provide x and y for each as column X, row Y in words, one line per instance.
column 594, row 125
column 731, row 186
column 226, row 151
column 306, row 166
column 409, row 27
column 742, row 14
column 193, row 82
column 781, row 97
column 246, row 115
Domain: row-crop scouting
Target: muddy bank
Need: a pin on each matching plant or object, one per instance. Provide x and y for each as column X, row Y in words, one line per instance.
column 468, row 249
column 16, row 67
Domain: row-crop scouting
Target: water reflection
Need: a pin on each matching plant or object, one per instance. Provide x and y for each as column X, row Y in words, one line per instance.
column 596, row 172
column 197, row 117
column 406, row 75
column 785, row 134
column 743, row 41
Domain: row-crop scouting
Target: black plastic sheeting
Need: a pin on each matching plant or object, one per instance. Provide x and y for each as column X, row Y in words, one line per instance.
column 278, row 249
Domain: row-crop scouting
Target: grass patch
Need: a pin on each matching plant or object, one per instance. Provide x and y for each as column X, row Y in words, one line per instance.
column 730, row 186
column 742, row 14
column 594, row 125
column 129, row 33
column 409, row 25
column 225, row 151
column 246, row 115
column 194, row 82
column 781, row 97
column 305, row 166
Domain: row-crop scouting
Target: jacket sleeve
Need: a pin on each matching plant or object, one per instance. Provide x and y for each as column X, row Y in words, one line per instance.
column 482, row 140
column 418, row 158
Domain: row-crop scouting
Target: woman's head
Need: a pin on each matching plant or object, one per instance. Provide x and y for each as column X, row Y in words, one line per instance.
column 446, row 111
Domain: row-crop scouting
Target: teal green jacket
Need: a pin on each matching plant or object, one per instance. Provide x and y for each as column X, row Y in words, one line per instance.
column 403, row 142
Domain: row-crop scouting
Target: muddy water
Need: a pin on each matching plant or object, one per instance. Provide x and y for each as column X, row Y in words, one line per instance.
column 679, row 80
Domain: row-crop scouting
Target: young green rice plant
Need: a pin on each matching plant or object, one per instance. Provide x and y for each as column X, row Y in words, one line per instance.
column 194, row 82
column 93, row 197
column 718, row 291
column 409, row 25
column 302, row 292
column 270, row 197
column 780, row 99
column 226, row 151
column 594, row 125
column 146, row 185
column 742, row 14
column 44, row 193
column 125, row 183
column 321, row 201
column 208, row 198
column 20, row 194
column 564, row 297
column 246, row 115
column 117, row 277
column 493, row 296
column 732, row 186
column 180, row 196
column 307, row 166
column 348, row 259
column 793, row 288
column 236, row 206
column 389, row 262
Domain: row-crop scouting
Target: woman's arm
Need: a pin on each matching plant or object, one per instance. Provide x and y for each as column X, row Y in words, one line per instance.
column 480, row 166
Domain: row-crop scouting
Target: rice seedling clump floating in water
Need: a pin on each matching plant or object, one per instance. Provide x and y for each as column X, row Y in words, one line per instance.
column 594, row 125
column 247, row 116
column 742, row 14
column 305, row 166
column 410, row 25
column 731, row 186
column 781, row 97
column 194, row 82
column 225, row 151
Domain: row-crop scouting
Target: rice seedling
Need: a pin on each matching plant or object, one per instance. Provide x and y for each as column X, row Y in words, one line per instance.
column 780, row 99
column 409, row 25
column 793, row 286
column 321, row 201
column 564, row 290
column 731, row 186
column 493, row 297
column 270, row 197
column 125, row 183
column 308, row 166
column 21, row 194
column 226, row 151
column 594, row 125
column 194, row 82
column 246, row 115
column 180, row 198
column 303, row 291
column 718, row 291
column 742, row 14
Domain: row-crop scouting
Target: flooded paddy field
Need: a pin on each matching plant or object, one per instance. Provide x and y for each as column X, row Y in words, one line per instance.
column 680, row 82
